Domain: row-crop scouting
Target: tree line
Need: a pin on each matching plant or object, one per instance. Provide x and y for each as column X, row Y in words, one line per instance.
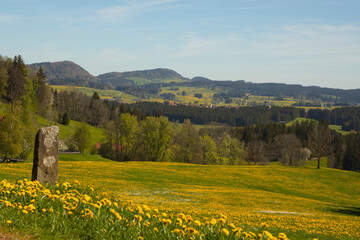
column 148, row 131
column 242, row 116
column 158, row 139
column 25, row 93
column 347, row 117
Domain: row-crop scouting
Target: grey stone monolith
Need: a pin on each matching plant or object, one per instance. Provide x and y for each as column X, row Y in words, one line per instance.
column 46, row 155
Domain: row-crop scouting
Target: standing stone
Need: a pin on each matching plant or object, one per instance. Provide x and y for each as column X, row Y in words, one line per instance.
column 46, row 155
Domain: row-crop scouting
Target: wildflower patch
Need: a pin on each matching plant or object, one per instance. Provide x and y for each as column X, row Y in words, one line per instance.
column 68, row 211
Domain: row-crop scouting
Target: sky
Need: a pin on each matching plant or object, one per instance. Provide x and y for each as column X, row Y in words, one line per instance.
column 307, row 42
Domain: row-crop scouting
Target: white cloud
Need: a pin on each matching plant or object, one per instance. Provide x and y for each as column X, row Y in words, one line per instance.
column 131, row 9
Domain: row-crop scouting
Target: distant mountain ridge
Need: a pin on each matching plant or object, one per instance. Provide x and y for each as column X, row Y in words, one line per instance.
column 70, row 73
column 147, row 82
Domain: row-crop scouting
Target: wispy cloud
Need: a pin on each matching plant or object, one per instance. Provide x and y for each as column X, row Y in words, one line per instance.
column 132, row 9
column 305, row 42
column 195, row 45
column 5, row 18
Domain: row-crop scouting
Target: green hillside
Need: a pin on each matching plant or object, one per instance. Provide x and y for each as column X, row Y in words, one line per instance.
column 303, row 202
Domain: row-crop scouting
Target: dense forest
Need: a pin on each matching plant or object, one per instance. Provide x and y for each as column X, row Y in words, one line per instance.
column 148, row 131
column 347, row 117
column 224, row 115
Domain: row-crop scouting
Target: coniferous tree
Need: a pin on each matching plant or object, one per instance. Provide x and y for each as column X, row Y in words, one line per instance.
column 43, row 92
column 17, row 79
column 5, row 64
column 65, row 120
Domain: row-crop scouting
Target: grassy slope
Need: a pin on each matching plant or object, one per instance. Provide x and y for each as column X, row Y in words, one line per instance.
column 104, row 94
column 189, row 98
column 303, row 200
column 336, row 128
column 97, row 134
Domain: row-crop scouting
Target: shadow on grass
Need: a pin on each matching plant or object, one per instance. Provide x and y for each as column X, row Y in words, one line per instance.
column 354, row 211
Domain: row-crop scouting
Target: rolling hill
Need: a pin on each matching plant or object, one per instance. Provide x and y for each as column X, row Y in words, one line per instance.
column 145, row 82
column 64, row 70
column 70, row 73
column 154, row 75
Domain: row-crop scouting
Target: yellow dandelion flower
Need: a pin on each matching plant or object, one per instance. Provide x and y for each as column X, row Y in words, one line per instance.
column 8, row 221
column 138, row 218
column 146, row 208
column 89, row 213
column 139, row 208
column 213, row 221
column 156, row 229
column 25, row 212
column 225, row 231
column 117, row 215
column 70, row 213
column 197, row 222
column 182, row 216
column 232, row 225
column 282, row 236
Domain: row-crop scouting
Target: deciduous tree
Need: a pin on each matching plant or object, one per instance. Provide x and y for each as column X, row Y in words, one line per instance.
column 82, row 137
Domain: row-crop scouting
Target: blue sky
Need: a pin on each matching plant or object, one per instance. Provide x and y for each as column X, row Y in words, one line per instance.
column 308, row 42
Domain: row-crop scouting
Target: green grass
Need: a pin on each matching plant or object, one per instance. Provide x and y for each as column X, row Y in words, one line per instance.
column 189, row 98
column 139, row 81
column 104, row 94
column 303, row 201
column 338, row 128
column 67, row 131
column 207, row 94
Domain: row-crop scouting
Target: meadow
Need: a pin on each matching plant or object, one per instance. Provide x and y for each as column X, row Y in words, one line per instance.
column 189, row 98
column 301, row 202
column 104, row 94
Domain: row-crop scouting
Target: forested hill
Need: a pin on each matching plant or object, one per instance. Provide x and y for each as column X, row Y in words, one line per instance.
column 70, row 73
column 64, row 70
column 151, row 81
column 240, row 88
column 159, row 74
